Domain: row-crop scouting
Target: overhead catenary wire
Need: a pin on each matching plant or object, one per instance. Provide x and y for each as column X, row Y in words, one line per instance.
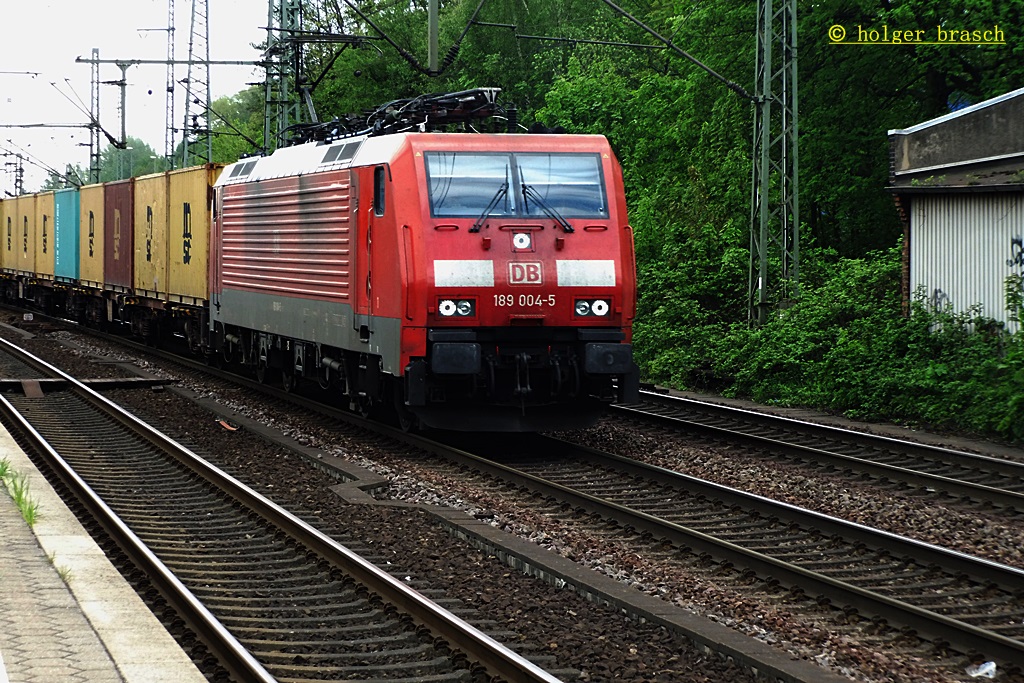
column 92, row 122
column 449, row 57
column 39, row 163
column 570, row 41
column 257, row 146
column 732, row 85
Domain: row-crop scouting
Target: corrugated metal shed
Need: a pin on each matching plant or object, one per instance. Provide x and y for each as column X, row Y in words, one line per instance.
column 958, row 181
column 963, row 248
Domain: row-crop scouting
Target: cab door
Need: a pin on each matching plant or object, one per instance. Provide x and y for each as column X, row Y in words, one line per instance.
column 370, row 212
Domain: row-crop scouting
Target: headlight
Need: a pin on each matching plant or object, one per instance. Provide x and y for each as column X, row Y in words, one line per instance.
column 521, row 240
column 592, row 307
column 459, row 308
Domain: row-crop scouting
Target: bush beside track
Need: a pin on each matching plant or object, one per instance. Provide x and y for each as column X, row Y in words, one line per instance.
column 845, row 347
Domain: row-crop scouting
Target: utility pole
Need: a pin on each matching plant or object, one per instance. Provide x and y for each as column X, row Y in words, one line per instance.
column 169, row 140
column 19, row 176
column 169, row 101
column 284, row 60
column 774, row 205
column 775, row 209
column 18, row 169
column 123, row 84
column 94, row 119
column 432, row 35
column 123, row 64
column 169, row 129
column 197, row 100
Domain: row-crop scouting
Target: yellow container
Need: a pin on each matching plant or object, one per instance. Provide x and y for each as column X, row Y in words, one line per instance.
column 7, row 235
column 90, row 236
column 188, row 240
column 151, row 235
column 24, row 262
column 45, row 236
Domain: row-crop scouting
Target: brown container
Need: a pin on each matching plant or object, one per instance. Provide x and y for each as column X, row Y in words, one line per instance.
column 118, row 236
column 188, row 239
column 90, row 236
column 151, row 236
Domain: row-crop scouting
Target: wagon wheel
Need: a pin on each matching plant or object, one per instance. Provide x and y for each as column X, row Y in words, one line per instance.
column 262, row 372
column 288, row 380
column 364, row 406
column 406, row 419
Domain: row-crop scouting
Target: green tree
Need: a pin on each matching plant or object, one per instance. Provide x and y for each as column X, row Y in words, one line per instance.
column 73, row 176
column 684, row 141
column 237, row 125
column 136, row 159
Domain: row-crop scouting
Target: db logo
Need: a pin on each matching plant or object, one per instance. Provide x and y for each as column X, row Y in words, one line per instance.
column 524, row 274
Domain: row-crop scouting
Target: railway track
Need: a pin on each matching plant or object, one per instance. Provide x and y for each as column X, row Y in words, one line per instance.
column 269, row 595
column 954, row 600
column 820, row 547
column 968, row 477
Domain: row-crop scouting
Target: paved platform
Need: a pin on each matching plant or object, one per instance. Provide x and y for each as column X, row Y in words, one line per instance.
column 91, row 628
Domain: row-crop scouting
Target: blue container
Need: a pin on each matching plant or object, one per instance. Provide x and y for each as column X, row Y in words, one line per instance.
column 65, row 230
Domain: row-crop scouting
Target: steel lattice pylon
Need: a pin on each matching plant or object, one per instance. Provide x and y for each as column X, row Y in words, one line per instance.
column 94, row 123
column 169, row 140
column 282, row 97
column 197, row 139
column 774, row 215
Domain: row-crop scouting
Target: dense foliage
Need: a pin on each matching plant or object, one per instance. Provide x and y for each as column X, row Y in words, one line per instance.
column 684, row 140
column 845, row 347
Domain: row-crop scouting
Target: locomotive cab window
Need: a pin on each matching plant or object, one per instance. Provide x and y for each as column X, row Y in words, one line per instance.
column 571, row 184
column 378, row 191
column 472, row 184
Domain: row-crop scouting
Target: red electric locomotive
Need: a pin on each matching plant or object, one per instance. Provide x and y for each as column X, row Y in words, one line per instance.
column 464, row 280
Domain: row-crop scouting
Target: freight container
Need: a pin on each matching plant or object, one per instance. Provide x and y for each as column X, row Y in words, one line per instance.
column 44, row 236
column 189, row 233
column 65, row 234
column 7, row 231
column 25, row 234
column 90, row 235
column 151, row 235
column 119, row 235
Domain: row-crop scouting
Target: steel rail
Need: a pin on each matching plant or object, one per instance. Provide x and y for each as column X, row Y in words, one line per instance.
column 978, row 492
column 925, row 622
column 229, row 652
column 478, row 647
column 949, row 455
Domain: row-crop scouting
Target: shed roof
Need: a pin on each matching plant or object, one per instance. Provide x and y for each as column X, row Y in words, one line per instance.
column 978, row 148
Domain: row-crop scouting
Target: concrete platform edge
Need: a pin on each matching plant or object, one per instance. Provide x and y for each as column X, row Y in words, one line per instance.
column 139, row 646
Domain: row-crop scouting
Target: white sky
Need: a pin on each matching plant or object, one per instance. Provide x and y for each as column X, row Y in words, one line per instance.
column 46, row 36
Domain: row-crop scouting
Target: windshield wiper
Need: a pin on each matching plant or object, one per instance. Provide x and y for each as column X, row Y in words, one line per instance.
column 530, row 193
column 502, row 191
